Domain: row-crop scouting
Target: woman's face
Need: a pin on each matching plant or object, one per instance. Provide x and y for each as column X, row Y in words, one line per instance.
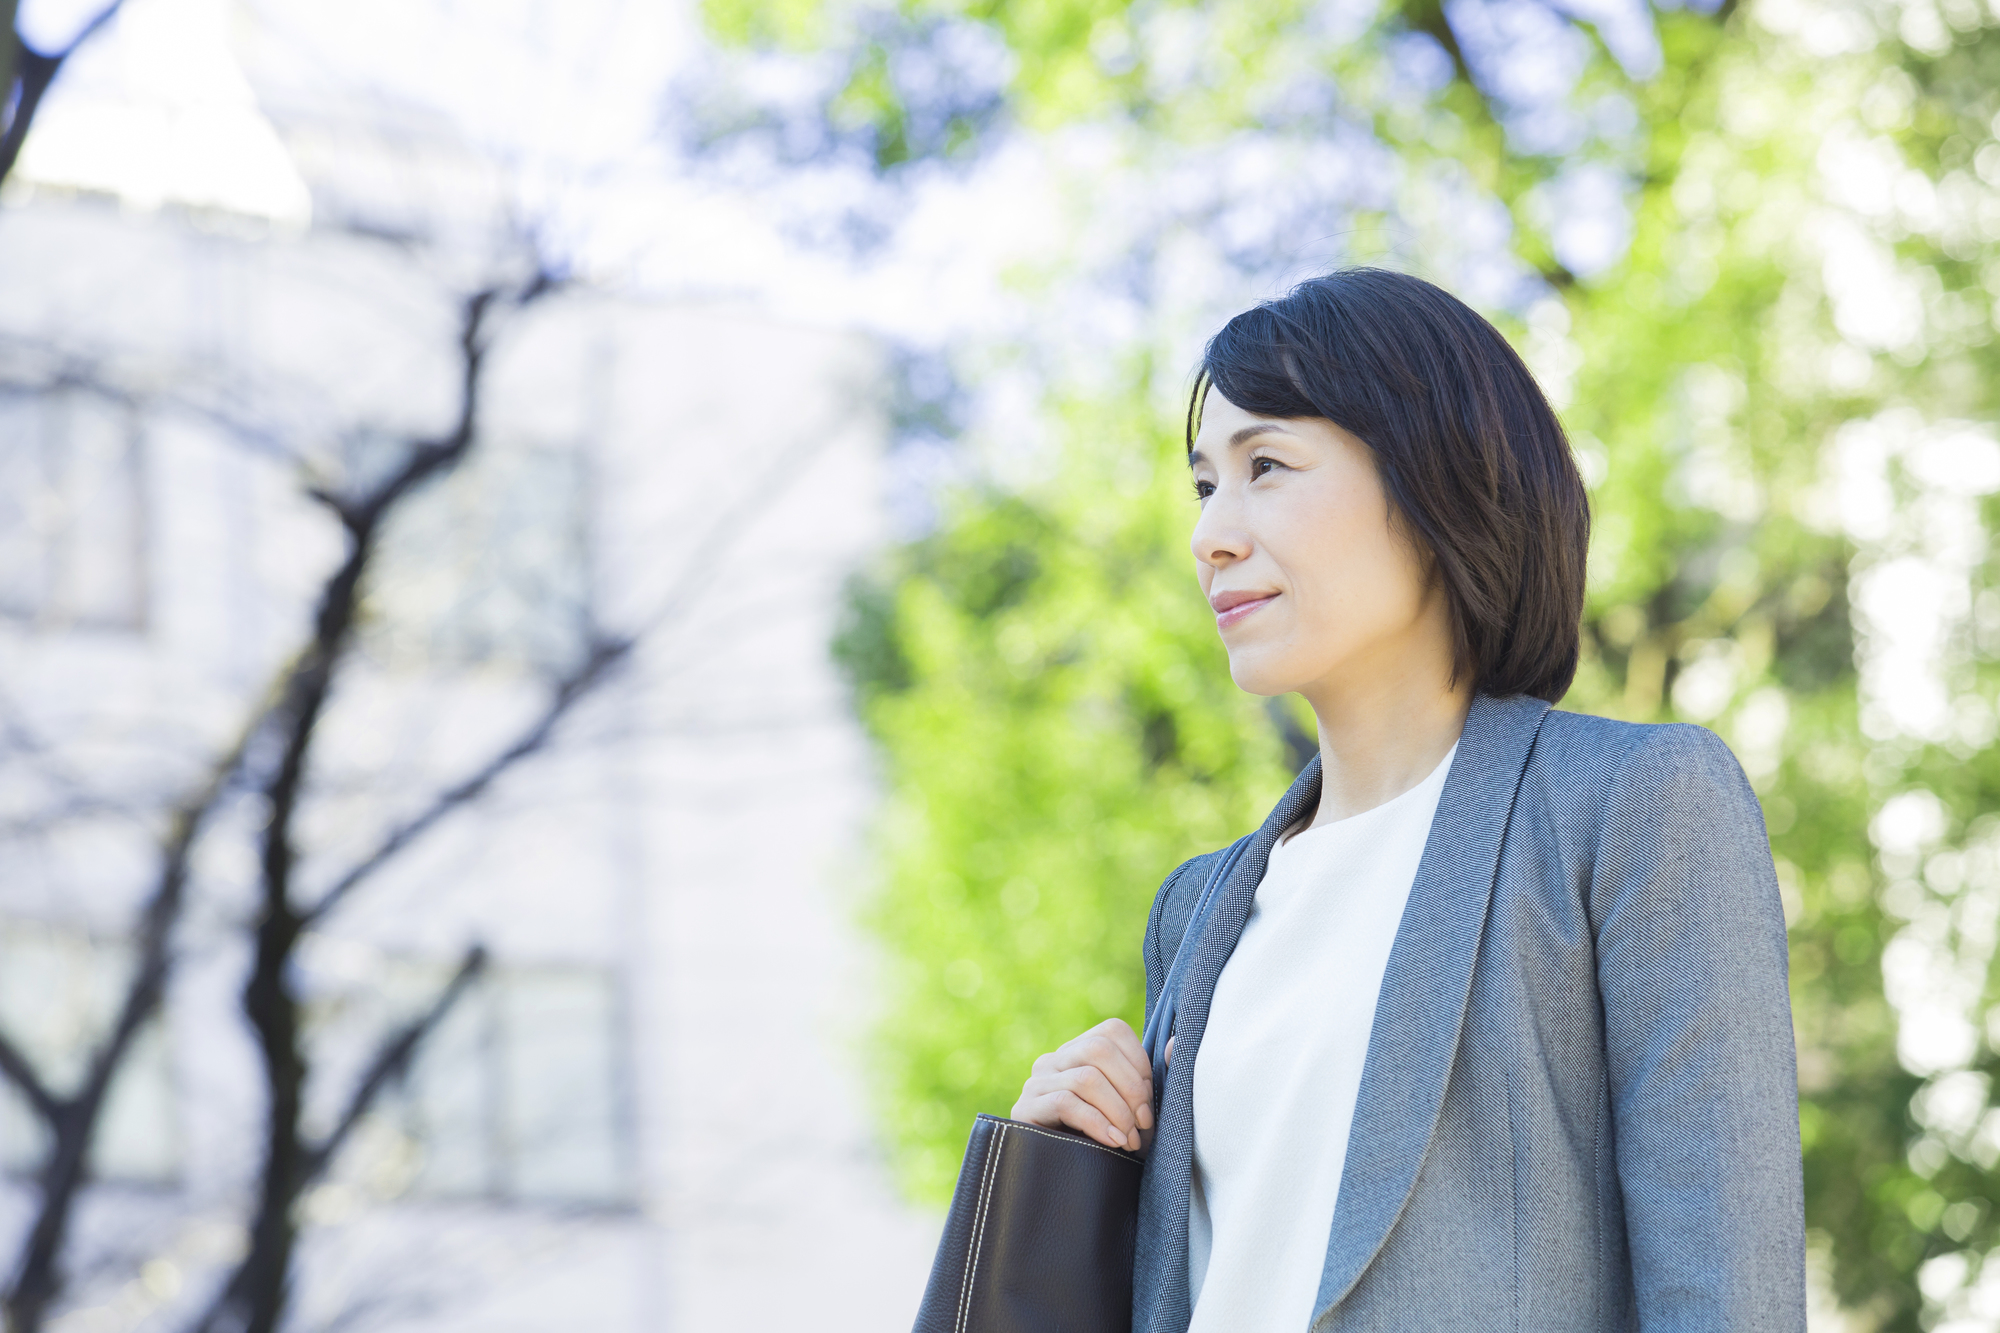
column 1314, row 586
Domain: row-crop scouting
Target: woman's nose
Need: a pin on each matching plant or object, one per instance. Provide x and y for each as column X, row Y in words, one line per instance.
column 1218, row 538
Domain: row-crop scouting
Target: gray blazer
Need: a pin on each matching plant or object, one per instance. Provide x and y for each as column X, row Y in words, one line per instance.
column 1579, row 1108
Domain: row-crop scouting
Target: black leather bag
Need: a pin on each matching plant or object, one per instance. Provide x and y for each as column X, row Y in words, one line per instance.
column 1042, row 1223
column 1039, row 1237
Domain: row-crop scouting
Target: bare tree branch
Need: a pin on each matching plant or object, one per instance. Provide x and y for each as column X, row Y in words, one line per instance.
column 31, row 76
column 26, row 1081
column 59, row 370
column 72, row 1122
column 71, row 797
column 605, row 654
column 254, row 1300
column 290, row 718
column 392, row 1062
column 240, row 1301
column 285, row 729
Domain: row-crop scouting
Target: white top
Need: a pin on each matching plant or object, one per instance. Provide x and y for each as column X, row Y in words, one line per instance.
column 1280, row 1062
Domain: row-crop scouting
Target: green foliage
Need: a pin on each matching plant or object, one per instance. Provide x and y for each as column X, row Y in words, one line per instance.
column 791, row 24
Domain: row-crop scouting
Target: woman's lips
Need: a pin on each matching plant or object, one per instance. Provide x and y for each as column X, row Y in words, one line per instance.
column 1224, row 619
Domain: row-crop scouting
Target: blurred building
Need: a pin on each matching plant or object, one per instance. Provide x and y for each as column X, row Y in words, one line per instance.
column 649, row 1114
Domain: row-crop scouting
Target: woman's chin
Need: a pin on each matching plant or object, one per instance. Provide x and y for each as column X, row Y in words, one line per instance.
column 1254, row 674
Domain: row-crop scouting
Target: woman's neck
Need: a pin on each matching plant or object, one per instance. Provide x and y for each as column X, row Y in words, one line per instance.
column 1381, row 737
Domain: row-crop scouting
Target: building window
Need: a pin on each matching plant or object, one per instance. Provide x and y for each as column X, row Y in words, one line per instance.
column 59, row 992
column 72, row 512
column 518, row 1095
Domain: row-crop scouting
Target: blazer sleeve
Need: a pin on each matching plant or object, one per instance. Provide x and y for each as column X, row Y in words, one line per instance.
column 1691, row 965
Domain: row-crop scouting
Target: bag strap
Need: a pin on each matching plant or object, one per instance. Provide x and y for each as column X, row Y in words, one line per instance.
column 1160, row 1023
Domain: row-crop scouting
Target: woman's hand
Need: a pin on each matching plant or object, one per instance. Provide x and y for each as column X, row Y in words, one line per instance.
column 1100, row 1084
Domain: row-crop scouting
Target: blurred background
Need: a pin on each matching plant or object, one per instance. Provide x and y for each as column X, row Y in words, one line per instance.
column 596, row 640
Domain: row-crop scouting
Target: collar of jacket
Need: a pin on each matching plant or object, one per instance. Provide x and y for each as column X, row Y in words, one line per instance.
column 1419, row 1015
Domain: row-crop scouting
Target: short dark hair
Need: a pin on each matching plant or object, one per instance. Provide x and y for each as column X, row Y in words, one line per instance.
column 1470, row 453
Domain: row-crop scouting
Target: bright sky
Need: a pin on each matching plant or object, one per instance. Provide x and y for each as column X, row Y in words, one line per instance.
column 156, row 110
column 163, row 106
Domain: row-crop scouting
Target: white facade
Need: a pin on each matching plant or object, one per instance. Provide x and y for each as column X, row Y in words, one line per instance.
column 650, row 1116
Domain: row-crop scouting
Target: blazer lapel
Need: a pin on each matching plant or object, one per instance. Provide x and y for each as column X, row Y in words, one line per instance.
column 1420, row 1011
column 1161, row 1269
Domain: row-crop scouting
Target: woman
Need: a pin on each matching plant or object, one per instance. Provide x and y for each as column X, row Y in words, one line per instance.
column 1488, row 1027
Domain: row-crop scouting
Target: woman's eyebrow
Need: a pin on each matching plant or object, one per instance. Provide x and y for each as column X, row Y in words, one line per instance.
column 1247, row 433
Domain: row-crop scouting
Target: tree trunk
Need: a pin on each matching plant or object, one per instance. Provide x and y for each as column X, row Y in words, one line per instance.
column 257, row 1298
column 35, row 1284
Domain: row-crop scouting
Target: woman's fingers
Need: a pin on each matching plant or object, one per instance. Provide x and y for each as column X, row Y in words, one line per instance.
column 1089, row 1083
column 1083, row 1099
column 1067, row 1110
column 1115, row 1051
column 1100, row 1084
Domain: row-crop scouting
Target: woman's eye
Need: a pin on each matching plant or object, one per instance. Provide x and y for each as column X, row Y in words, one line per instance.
column 1258, row 466
column 1203, row 489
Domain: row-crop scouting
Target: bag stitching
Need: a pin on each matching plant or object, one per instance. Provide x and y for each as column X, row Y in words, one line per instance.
column 972, row 1241
column 1072, row 1138
column 978, row 1225
column 979, row 1229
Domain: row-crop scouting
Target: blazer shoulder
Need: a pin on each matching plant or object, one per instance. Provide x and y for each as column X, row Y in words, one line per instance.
column 1173, row 904
column 1602, row 747
column 1601, row 764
